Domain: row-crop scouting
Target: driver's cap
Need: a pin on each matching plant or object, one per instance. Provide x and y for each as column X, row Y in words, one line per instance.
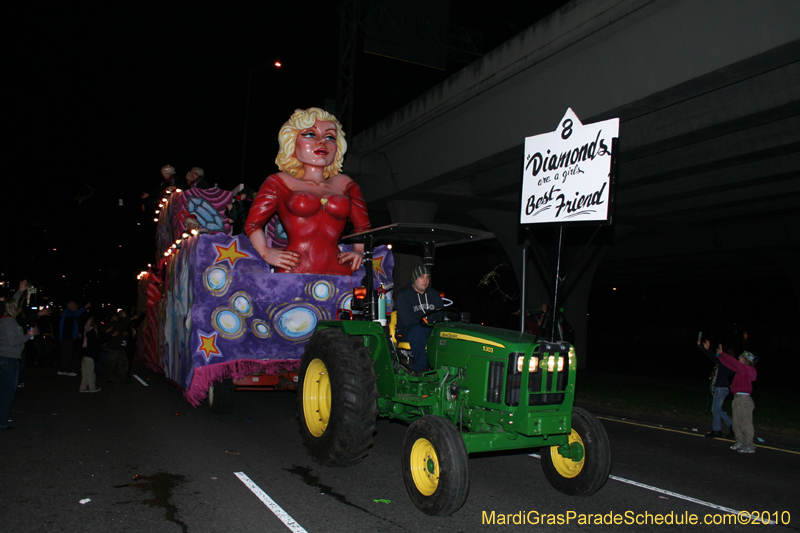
column 420, row 271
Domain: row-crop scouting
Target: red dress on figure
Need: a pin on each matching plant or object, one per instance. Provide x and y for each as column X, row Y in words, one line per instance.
column 313, row 224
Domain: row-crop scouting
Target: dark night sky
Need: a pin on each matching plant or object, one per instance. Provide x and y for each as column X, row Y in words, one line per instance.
column 100, row 98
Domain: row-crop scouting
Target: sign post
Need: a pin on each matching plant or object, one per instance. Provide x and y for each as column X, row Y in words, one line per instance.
column 568, row 178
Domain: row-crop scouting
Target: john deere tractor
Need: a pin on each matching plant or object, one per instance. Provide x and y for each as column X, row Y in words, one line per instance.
column 488, row 389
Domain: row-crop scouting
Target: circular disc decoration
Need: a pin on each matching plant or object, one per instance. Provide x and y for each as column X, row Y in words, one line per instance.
column 217, row 279
column 230, row 324
column 241, row 302
column 323, row 290
column 296, row 323
column 346, row 302
column 260, row 329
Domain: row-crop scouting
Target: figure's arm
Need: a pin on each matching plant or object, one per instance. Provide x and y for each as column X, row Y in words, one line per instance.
column 264, row 207
column 730, row 362
column 23, row 288
column 360, row 219
column 705, row 347
column 436, row 299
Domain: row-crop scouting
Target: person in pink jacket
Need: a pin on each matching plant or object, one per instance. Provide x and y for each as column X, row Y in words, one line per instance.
column 743, row 405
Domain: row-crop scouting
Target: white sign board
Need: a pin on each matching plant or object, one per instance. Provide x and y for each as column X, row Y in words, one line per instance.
column 567, row 174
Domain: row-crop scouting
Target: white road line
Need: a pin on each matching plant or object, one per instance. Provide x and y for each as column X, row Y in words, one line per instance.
column 270, row 503
column 755, row 518
column 141, row 380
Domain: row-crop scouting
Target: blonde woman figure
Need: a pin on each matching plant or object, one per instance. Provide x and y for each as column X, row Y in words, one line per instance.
column 312, row 197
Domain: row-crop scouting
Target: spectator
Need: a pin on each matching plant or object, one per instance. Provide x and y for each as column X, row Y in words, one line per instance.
column 116, row 357
column 27, row 319
column 130, row 347
column 90, row 351
column 68, row 332
column 742, row 389
column 722, row 382
column 12, row 340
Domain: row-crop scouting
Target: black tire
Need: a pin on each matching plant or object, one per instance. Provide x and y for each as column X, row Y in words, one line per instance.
column 585, row 477
column 435, row 466
column 339, row 397
column 220, row 397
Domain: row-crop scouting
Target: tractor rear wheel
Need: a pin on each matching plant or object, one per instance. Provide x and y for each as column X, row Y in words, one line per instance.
column 337, row 398
column 586, row 476
column 435, row 466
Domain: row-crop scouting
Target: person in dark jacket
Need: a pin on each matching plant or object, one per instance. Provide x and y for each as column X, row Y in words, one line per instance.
column 238, row 210
column 722, row 387
column 416, row 299
column 68, row 332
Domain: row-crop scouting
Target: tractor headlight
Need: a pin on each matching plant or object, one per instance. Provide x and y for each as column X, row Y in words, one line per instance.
column 553, row 362
column 533, row 365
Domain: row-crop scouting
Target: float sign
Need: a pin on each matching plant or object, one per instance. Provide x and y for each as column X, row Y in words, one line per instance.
column 567, row 175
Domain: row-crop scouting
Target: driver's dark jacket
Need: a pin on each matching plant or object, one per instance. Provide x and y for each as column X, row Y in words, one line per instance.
column 411, row 305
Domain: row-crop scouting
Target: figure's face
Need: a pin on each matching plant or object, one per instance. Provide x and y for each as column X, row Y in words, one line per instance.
column 72, row 306
column 316, row 146
column 422, row 283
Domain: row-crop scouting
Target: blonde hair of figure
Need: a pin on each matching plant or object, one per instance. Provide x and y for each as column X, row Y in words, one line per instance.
column 287, row 140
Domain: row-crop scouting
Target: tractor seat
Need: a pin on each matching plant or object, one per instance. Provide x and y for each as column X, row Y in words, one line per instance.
column 393, row 333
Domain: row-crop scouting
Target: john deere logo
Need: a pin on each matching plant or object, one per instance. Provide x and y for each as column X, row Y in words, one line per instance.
column 468, row 338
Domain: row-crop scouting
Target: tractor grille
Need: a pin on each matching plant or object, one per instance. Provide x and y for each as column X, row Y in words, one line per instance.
column 546, row 384
column 494, row 390
column 542, row 385
column 513, row 379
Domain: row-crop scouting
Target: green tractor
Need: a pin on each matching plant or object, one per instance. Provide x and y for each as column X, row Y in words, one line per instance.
column 488, row 389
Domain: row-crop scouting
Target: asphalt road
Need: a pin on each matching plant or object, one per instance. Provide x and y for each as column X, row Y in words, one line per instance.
column 147, row 461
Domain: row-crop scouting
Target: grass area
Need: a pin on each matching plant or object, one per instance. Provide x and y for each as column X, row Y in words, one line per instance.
column 776, row 407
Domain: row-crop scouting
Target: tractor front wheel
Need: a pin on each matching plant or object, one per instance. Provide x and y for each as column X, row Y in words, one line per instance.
column 435, row 467
column 585, row 476
column 337, row 398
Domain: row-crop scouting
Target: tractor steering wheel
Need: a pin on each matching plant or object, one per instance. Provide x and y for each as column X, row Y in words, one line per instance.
column 448, row 314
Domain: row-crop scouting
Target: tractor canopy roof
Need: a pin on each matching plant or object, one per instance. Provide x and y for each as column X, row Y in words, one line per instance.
column 428, row 236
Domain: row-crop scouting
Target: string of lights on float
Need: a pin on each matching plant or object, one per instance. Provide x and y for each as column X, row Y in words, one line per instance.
column 177, row 243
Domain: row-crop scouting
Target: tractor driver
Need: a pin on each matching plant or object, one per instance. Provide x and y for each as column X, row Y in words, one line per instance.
column 416, row 299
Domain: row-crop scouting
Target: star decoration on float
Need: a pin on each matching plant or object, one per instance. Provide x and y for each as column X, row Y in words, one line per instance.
column 377, row 265
column 208, row 345
column 231, row 253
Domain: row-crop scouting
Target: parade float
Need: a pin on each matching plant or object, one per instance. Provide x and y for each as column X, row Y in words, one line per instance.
column 219, row 317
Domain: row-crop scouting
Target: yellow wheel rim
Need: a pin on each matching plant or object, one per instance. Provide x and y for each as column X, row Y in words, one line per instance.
column 424, row 467
column 317, row 397
column 567, row 467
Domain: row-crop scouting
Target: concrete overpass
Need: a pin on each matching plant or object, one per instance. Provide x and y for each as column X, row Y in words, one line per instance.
column 708, row 96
